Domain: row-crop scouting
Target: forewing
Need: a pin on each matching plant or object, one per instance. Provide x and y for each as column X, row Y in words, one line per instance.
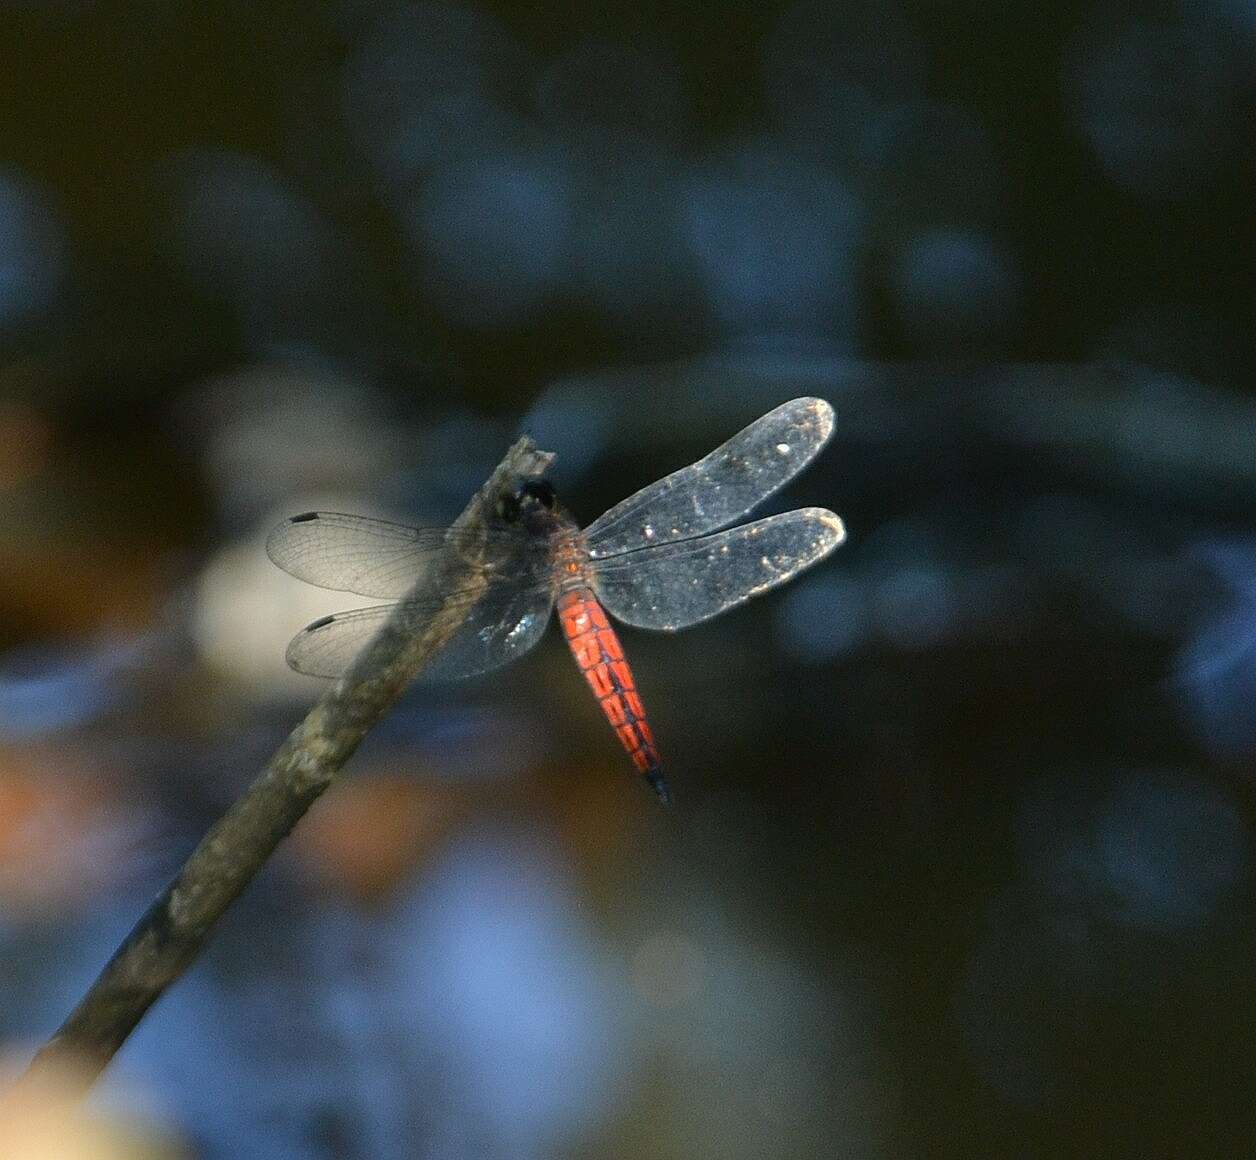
column 676, row 585
column 721, row 487
column 502, row 625
column 370, row 557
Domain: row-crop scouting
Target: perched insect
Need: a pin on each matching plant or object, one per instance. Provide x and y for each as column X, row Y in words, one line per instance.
column 651, row 561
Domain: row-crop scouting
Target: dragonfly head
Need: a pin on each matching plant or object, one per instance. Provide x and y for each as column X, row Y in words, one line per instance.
column 532, row 503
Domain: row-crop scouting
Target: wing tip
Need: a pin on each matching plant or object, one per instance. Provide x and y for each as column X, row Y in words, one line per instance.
column 298, row 662
column 820, row 412
column 833, row 525
column 294, row 659
column 275, row 540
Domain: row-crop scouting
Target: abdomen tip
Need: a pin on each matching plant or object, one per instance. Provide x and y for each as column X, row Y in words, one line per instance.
column 659, row 784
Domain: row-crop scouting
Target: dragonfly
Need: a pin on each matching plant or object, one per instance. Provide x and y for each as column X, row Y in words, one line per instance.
column 658, row 560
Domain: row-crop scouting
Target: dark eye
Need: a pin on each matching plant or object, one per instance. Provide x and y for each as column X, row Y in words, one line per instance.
column 508, row 508
column 543, row 492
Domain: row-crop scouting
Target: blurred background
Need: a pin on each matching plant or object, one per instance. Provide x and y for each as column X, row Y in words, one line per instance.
column 960, row 861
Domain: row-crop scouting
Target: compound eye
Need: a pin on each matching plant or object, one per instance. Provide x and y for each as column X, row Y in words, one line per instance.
column 508, row 508
column 543, row 490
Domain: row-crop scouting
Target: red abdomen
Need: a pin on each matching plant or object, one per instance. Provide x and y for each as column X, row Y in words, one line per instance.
column 601, row 659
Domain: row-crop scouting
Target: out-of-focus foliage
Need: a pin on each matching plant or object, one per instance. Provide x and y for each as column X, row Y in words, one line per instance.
column 961, row 859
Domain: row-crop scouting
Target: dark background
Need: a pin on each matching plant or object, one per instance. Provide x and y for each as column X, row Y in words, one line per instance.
column 960, row 860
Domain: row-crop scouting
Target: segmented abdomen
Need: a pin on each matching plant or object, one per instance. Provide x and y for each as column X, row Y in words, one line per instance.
column 599, row 656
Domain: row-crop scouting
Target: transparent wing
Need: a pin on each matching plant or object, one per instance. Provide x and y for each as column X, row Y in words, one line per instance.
column 676, row 585
column 326, row 647
column 504, row 624
column 369, row 557
column 720, row 488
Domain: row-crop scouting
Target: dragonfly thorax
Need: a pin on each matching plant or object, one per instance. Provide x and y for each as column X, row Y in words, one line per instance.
column 570, row 556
